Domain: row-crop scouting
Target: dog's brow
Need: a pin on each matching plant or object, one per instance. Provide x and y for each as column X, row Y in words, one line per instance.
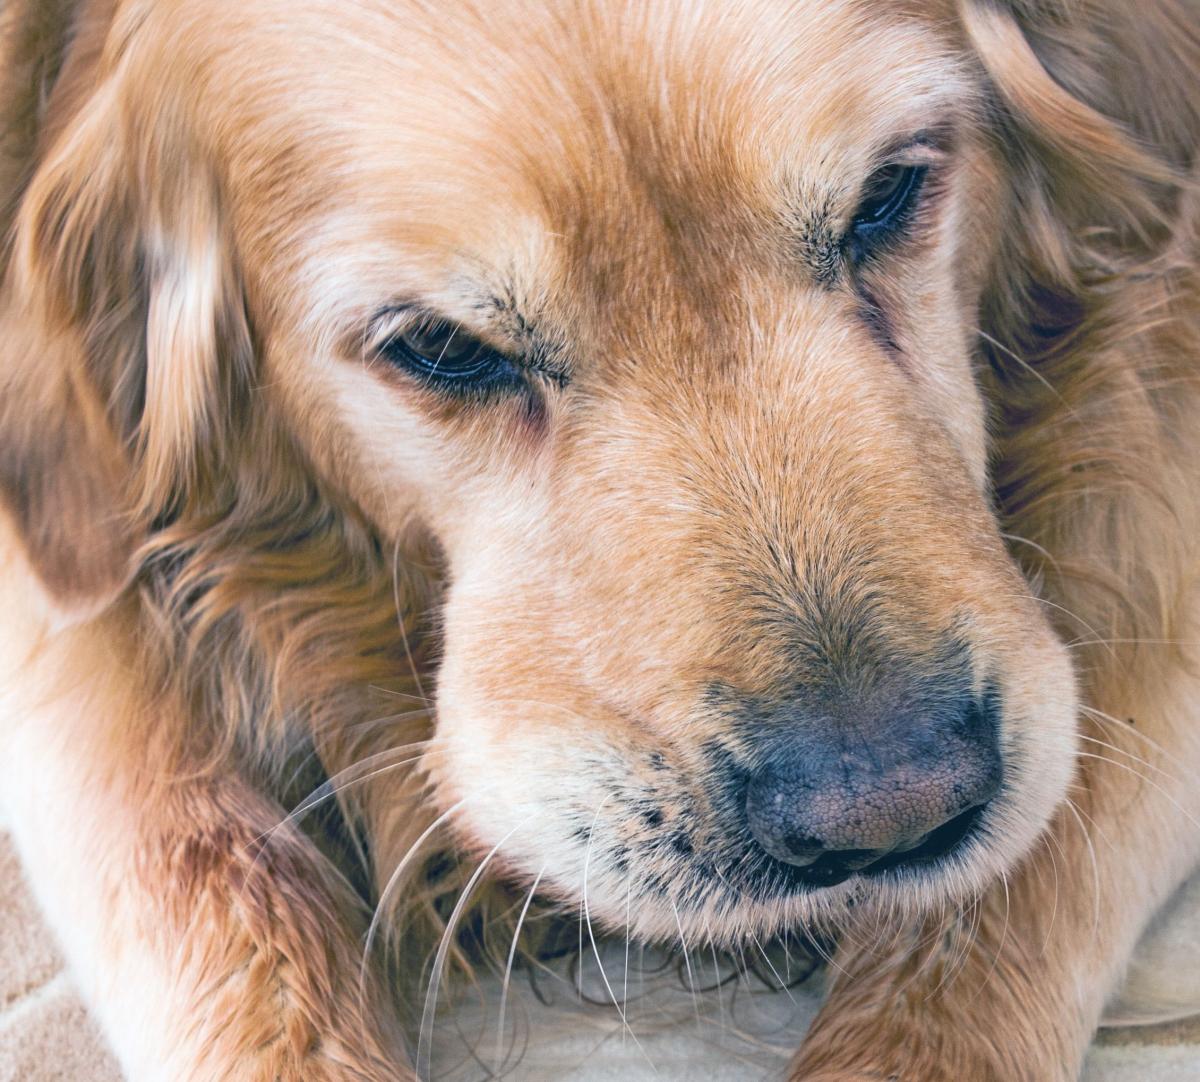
column 817, row 241
column 502, row 310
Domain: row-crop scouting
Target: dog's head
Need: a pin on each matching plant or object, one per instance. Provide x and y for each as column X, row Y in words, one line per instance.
column 663, row 320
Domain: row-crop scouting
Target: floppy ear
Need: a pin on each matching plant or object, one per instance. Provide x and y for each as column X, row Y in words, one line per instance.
column 118, row 313
column 1104, row 90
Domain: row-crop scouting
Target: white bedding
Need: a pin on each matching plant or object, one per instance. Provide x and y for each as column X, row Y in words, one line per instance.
column 745, row 1032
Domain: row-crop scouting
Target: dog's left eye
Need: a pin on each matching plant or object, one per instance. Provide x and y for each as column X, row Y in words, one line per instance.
column 443, row 353
column 887, row 202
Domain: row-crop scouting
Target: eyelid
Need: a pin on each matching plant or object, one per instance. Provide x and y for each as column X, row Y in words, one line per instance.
column 390, row 322
column 918, row 156
column 930, row 147
column 386, row 324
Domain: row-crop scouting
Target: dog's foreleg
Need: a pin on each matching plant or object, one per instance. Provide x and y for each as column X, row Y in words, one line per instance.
column 210, row 945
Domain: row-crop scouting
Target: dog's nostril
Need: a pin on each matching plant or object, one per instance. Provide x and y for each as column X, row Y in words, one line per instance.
column 891, row 829
column 802, row 848
column 855, row 860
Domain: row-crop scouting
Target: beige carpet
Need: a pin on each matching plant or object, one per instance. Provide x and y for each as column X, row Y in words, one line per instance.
column 45, row 1033
column 47, row 1036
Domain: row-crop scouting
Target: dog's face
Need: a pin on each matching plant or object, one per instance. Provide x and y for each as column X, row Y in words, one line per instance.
column 660, row 318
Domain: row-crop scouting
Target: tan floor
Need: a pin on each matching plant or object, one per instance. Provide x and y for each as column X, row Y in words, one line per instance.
column 45, row 1033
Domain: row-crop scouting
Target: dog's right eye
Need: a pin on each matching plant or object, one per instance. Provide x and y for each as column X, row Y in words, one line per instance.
column 443, row 353
column 890, row 197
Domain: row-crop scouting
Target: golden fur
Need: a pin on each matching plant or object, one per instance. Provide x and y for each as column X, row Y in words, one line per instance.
column 235, row 538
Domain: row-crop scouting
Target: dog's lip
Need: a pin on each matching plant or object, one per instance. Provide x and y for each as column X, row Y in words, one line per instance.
column 934, row 847
column 927, row 852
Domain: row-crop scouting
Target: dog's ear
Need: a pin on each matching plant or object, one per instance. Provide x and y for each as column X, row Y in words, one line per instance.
column 1103, row 92
column 119, row 310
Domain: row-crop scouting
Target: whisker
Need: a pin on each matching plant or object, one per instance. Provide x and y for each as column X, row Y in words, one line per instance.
column 1138, row 760
column 717, row 982
column 393, row 881
column 946, row 928
column 826, row 957
column 425, row 1035
column 1054, row 868
column 579, row 957
column 508, row 968
column 344, row 779
column 1097, row 828
column 625, row 989
column 587, row 862
column 687, row 961
column 324, row 792
column 1073, row 615
column 996, row 344
column 770, row 965
column 1125, row 728
column 393, row 693
column 1149, row 781
column 1003, row 938
column 1069, row 804
column 1077, row 644
column 963, row 956
column 625, row 1027
column 1039, row 549
column 402, row 624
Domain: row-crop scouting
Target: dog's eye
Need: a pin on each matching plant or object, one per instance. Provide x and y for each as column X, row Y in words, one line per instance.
column 889, row 198
column 442, row 352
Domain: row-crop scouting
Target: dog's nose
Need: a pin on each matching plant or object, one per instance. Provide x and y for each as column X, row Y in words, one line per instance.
column 835, row 799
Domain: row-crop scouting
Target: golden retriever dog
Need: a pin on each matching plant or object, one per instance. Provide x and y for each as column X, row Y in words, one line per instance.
column 733, row 466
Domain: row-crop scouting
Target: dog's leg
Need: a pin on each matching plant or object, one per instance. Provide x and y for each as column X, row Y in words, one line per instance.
column 206, row 951
column 1012, row 991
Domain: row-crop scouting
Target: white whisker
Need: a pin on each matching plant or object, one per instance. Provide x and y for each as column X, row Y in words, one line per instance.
column 425, row 1035
column 1003, row 938
column 687, row 961
column 390, row 886
column 508, row 968
column 1069, row 804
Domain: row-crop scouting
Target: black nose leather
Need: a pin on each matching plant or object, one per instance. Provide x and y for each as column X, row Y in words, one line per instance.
column 833, row 799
